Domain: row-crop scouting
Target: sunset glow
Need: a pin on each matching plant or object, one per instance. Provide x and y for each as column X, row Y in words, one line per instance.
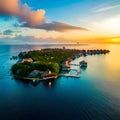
column 115, row 40
column 66, row 21
column 59, row 59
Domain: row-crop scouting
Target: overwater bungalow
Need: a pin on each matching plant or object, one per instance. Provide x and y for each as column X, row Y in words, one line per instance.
column 48, row 75
column 83, row 64
column 34, row 73
column 66, row 64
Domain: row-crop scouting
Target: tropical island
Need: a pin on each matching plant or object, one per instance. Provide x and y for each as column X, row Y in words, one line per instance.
column 47, row 64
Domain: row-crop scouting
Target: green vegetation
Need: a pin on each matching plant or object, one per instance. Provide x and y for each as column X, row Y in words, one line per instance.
column 14, row 58
column 21, row 69
column 50, row 55
column 42, row 60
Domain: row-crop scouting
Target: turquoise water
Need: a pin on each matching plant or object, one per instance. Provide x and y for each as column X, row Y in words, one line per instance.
column 93, row 96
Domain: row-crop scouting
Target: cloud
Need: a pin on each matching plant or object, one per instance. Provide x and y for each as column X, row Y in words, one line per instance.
column 29, row 40
column 103, row 9
column 58, row 26
column 8, row 32
column 9, row 7
column 32, row 19
column 23, row 12
column 109, row 26
column 0, row 33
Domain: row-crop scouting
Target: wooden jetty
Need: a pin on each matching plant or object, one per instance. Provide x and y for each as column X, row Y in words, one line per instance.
column 75, row 64
column 69, row 75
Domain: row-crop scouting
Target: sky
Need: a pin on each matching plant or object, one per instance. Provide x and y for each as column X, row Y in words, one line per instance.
column 59, row 21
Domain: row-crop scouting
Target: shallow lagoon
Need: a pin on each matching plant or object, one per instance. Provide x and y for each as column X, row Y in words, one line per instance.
column 93, row 96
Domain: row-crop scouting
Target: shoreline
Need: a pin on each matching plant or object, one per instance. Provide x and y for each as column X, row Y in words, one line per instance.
column 65, row 64
column 36, row 79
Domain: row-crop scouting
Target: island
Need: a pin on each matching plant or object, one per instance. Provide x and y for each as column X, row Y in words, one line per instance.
column 46, row 64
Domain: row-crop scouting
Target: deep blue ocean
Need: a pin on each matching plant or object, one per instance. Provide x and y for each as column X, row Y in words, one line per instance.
column 93, row 96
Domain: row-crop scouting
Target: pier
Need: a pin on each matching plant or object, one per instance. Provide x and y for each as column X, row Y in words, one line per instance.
column 74, row 64
column 77, row 75
column 68, row 75
column 50, row 77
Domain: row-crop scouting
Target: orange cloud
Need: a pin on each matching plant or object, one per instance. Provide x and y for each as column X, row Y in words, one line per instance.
column 33, row 19
column 9, row 7
column 23, row 11
column 58, row 26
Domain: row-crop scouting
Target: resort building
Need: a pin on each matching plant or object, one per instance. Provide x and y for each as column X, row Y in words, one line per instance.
column 34, row 73
column 47, row 73
column 26, row 60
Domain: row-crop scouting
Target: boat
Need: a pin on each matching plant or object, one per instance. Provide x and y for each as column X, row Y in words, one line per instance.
column 83, row 63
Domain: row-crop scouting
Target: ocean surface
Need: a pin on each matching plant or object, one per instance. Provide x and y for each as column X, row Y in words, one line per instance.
column 93, row 96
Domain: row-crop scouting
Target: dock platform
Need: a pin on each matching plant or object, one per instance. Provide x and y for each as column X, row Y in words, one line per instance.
column 68, row 75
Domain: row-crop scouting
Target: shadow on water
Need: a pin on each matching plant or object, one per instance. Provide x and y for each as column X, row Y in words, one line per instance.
column 34, row 82
column 88, row 98
column 83, row 68
column 26, row 82
column 47, row 84
column 1, row 77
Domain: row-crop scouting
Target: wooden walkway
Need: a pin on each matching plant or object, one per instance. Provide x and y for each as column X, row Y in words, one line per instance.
column 77, row 75
column 74, row 70
column 51, row 77
column 75, row 64
column 68, row 75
